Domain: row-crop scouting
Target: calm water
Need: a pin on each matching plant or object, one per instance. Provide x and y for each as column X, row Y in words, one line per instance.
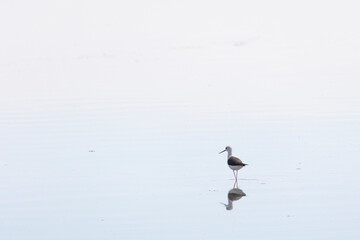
column 125, row 168
column 112, row 116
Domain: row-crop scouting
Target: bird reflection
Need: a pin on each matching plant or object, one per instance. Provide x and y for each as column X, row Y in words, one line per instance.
column 233, row 195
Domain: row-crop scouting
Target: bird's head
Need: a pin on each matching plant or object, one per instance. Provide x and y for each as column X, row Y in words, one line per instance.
column 228, row 149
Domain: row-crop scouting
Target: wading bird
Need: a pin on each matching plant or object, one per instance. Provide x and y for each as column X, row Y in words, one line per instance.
column 234, row 163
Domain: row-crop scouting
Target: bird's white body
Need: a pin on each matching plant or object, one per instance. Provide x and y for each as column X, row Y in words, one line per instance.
column 235, row 168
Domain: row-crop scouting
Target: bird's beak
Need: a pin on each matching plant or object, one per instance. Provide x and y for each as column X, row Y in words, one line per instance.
column 222, row 151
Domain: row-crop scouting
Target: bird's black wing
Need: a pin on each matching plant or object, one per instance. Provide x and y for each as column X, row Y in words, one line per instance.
column 234, row 161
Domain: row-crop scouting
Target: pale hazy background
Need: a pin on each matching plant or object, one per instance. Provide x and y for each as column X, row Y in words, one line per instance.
column 112, row 114
column 180, row 49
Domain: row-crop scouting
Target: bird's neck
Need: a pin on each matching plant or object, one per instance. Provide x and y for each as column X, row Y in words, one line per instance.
column 229, row 154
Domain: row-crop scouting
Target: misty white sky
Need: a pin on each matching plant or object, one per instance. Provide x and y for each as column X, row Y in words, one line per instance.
column 198, row 50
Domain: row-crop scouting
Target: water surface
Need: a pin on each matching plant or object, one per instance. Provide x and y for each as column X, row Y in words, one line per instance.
column 90, row 169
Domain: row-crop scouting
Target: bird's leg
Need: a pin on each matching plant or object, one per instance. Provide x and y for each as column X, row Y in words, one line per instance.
column 234, row 174
column 237, row 174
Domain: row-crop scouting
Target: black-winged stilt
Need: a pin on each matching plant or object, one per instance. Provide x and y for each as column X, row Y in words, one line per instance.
column 234, row 163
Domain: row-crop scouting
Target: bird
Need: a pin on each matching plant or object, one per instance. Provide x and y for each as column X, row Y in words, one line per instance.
column 234, row 163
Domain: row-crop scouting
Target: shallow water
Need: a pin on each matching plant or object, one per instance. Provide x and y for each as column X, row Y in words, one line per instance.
column 90, row 169
column 111, row 125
